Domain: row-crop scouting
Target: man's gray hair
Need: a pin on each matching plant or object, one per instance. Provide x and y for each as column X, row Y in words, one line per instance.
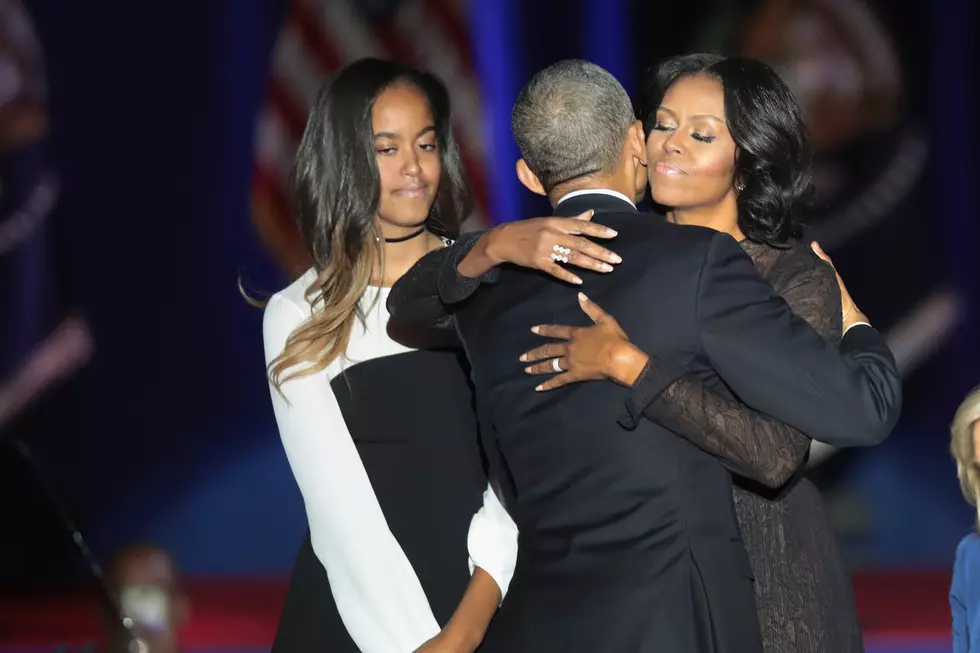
column 570, row 121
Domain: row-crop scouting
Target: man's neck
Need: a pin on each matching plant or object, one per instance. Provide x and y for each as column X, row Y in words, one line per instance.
column 624, row 189
column 595, row 191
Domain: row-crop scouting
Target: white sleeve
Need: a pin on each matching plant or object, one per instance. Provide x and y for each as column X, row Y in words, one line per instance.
column 492, row 541
column 377, row 592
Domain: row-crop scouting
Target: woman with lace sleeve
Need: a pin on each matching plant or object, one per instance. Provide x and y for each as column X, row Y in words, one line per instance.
column 382, row 439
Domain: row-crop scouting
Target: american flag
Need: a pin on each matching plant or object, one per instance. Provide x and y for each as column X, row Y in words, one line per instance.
column 319, row 36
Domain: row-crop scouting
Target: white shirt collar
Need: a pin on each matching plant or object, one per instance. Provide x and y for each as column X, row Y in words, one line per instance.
column 595, row 191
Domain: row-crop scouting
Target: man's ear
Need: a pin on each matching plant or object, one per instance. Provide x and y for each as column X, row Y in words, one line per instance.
column 528, row 178
column 637, row 143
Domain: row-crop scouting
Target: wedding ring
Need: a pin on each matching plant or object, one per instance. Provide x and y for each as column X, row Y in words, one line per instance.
column 556, row 366
column 565, row 251
column 558, row 258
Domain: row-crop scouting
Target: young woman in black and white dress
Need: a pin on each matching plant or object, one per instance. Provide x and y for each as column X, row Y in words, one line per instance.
column 382, row 439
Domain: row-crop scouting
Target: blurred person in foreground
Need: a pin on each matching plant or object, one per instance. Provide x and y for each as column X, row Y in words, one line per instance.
column 145, row 584
column 964, row 594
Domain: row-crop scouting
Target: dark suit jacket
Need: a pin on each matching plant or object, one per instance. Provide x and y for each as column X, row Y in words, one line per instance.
column 643, row 513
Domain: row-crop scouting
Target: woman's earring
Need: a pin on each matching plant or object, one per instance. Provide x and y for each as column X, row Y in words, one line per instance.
column 740, row 187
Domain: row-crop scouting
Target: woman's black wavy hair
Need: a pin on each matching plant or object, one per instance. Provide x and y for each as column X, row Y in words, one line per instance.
column 774, row 189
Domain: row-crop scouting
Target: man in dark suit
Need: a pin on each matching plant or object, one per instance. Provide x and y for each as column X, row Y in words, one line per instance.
column 628, row 539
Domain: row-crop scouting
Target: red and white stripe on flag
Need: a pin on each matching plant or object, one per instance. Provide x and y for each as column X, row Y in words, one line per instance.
column 319, row 36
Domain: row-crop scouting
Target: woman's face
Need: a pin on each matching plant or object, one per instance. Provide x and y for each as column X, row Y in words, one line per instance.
column 690, row 153
column 407, row 153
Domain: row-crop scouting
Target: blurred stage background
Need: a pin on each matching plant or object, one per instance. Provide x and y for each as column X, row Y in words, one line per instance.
column 143, row 152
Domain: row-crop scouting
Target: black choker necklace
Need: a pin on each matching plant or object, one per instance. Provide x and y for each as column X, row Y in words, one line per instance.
column 404, row 238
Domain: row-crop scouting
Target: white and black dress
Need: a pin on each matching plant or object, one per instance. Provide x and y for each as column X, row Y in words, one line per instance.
column 384, row 447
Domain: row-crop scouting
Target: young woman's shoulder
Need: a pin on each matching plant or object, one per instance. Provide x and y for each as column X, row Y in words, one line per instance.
column 286, row 310
column 295, row 293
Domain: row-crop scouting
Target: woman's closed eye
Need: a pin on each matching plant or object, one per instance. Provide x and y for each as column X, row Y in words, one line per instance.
column 427, row 147
column 665, row 127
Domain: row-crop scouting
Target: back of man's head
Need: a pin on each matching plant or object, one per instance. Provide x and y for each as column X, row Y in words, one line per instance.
column 570, row 121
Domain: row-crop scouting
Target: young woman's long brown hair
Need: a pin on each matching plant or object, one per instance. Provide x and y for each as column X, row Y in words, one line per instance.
column 337, row 191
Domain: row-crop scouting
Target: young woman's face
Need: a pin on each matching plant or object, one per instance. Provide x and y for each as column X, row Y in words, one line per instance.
column 407, row 153
column 690, row 153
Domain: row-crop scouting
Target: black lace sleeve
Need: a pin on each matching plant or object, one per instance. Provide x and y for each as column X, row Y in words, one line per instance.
column 454, row 287
column 417, row 316
column 421, row 303
column 810, row 288
column 748, row 443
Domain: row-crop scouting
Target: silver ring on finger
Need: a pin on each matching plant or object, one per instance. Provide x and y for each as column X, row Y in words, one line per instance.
column 556, row 366
column 559, row 258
